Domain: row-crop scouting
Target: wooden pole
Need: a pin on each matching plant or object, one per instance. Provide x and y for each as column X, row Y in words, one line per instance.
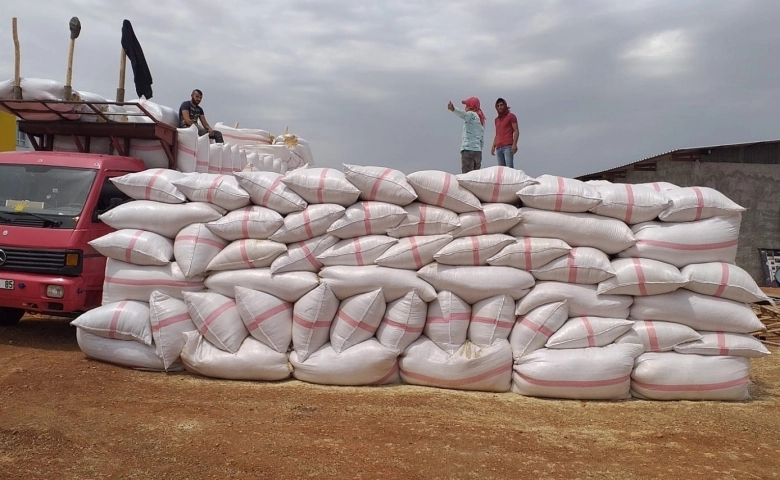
column 17, row 62
column 75, row 29
column 120, row 90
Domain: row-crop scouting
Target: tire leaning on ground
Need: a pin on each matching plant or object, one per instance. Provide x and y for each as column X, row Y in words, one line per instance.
column 10, row 316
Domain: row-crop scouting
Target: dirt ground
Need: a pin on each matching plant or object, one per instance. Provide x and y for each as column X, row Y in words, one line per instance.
column 63, row 416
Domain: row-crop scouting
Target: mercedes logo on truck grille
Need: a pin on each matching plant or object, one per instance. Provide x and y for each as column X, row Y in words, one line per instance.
column 3, row 257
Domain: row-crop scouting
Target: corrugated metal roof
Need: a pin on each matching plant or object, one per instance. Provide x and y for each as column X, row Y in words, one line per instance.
column 680, row 150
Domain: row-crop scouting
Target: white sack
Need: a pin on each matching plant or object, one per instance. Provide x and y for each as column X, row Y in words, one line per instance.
column 723, row 280
column 487, row 369
column 161, row 218
column 313, row 316
column 577, row 229
column 711, row 240
column 170, row 319
column 598, row 373
column 413, row 253
column 217, row 319
column 302, row 256
column 442, row 189
column 403, row 322
column 422, row 219
column 356, row 320
column 674, row 376
column 447, row 324
column 584, row 265
column 559, row 194
column 473, row 284
column 252, row 361
column 288, row 286
column 347, row 281
column 187, row 149
column 153, row 184
column 583, row 300
column 493, row 218
column 474, row 250
column 657, row 336
column 312, row 222
column 267, row 190
column 724, row 343
column 221, row 190
column 125, row 320
column 491, row 320
column 583, row 332
column 380, row 184
column 698, row 203
column 532, row 330
column 367, row 218
column 125, row 281
column 367, row 363
column 641, row 277
column 267, row 318
column 700, row 312
column 528, row 253
column 195, row 247
column 135, row 246
column 322, row 185
column 356, row 251
column 119, row 352
column 630, row 203
column 248, row 222
column 495, row 184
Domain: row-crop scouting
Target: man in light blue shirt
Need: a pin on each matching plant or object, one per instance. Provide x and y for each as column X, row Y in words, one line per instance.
column 473, row 133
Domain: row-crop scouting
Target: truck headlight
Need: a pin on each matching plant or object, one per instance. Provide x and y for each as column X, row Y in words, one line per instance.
column 55, row 291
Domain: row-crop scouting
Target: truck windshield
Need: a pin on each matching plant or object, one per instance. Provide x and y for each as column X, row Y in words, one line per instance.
column 41, row 192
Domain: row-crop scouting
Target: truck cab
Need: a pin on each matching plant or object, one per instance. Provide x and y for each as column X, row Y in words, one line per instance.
column 49, row 207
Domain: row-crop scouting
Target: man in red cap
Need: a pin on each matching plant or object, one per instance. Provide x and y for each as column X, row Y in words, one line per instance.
column 473, row 133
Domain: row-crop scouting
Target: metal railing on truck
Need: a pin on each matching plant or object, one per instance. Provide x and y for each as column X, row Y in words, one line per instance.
column 37, row 123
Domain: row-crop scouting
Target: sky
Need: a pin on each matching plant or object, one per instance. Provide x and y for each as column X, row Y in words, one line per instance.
column 594, row 83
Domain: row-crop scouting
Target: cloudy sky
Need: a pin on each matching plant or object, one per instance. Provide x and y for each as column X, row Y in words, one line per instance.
column 594, row 83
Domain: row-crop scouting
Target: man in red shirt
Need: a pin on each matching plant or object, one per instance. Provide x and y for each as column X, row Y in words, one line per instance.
column 505, row 142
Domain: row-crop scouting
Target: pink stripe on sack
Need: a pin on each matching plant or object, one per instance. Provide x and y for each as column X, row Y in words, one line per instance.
column 629, row 204
column 652, row 336
column 572, row 264
column 354, row 323
column 461, row 381
column 167, row 322
column 378, row 182
column 699, row 203
column 389, row 375
column 415, row 253
column 453, row 317
column 131, row 245
column 724, row 350
column 483, row 222
column 198, row 240
column 475, row 250
column 308, row 256
column 656, row 186
column 686, row 247
column 724, row 280
column 421, row 225
column 445, row 189
column 282, row 307
column 640, row 276
column 402, row 326
column 559, row 195
column 182, row 148
column 492, row 321
column 589, row 329
column 215, row 314
column 112, row 326
column 245, row 222
column 497, row 185
column 311, row 325
column 212, row 189
column 321, row 187
column 529, row 264
column 152, row 181
column 245, row 255
column 307, row 223
column 536, row 328
column 270, row 190
column 692, row 387
column 575, row 383
column 151, row 283
column 366, row 218
column 358, row 251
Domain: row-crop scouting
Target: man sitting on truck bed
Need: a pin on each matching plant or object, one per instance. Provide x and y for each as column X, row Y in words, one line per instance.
column 190, row 112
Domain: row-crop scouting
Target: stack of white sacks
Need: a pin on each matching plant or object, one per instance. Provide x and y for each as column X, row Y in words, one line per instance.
column 369, row 277
column 194, row 153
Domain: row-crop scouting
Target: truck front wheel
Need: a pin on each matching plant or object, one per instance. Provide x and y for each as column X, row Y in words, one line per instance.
column 10, row 316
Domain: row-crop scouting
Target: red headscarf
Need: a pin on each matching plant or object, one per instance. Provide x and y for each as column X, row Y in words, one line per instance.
column 472, row 104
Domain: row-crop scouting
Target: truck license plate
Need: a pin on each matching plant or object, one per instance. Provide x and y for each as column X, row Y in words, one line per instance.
column 6, row 284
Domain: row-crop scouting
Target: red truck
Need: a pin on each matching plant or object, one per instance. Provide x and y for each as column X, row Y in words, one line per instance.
column 49, row 207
